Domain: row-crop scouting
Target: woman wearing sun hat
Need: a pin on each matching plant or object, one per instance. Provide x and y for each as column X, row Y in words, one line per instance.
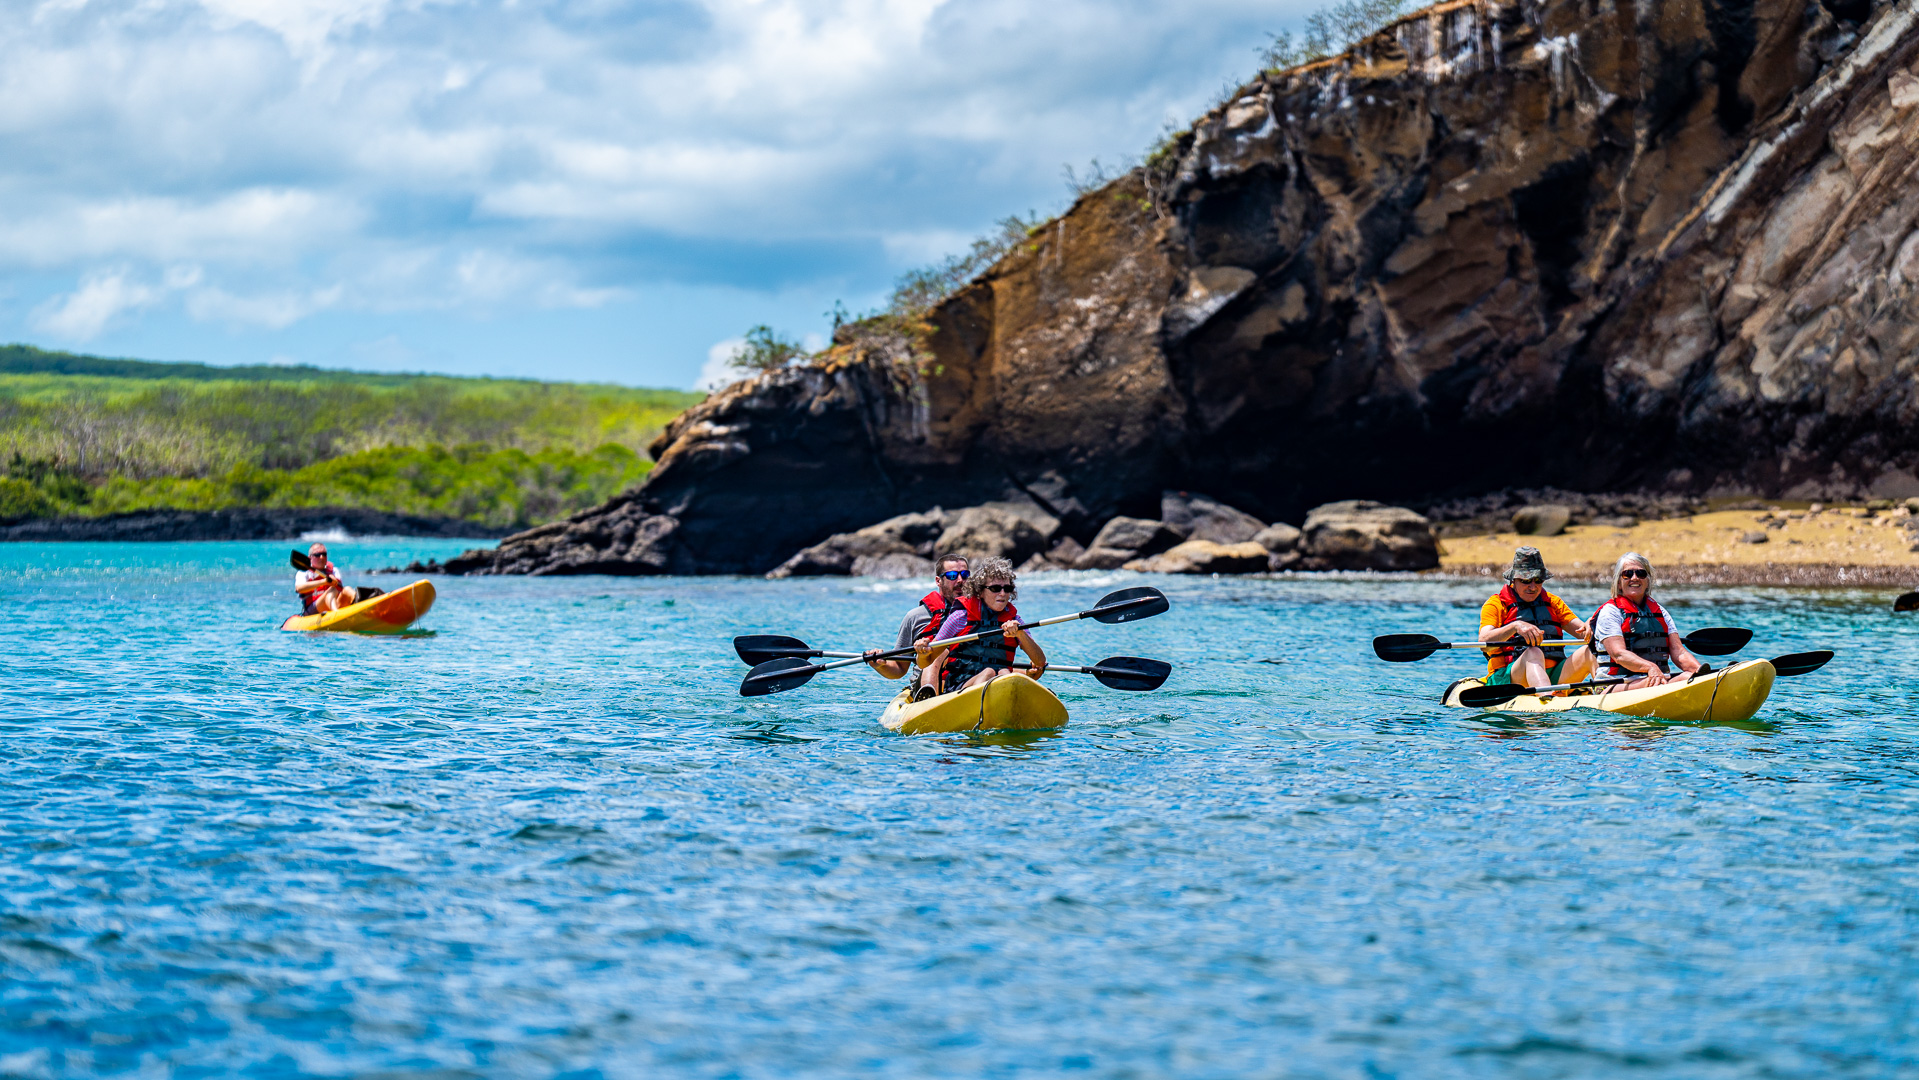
column 1525, row 614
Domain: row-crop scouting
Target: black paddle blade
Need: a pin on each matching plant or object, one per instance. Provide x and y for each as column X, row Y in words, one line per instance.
column 1717, row 640
column 759, row 648
column 1485, row 697
column 300, row 561
column 1907, row 602
column 1800, row 663
column 1129, row 605
column 775, row 676
column 1131, row 672
column 1399, row 648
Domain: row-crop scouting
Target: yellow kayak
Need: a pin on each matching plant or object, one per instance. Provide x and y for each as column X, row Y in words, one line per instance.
column 388, row 613
column 1732, row 694
column 1010, row 702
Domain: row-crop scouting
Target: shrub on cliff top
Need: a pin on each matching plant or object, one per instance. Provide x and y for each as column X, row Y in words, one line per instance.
column 765, row 350
column 1329, row 32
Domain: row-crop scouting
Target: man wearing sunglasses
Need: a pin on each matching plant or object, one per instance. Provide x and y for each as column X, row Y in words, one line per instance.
column 1638, row 635
column 919, row 625
column 1525, row 614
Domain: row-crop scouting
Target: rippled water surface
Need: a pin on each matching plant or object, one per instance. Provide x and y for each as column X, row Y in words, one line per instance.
column 550, row 839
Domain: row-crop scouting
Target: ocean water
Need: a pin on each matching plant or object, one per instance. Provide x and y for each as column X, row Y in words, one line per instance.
column 548, row 838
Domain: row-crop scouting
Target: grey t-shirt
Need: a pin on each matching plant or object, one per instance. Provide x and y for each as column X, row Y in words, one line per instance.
column 913, row 627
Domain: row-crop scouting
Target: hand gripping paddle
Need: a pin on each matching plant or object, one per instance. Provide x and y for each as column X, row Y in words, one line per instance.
column 1485, row 697
column 791, row 672
column 1401, row 648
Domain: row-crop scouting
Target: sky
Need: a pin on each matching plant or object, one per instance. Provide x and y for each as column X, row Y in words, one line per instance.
column 600, row 190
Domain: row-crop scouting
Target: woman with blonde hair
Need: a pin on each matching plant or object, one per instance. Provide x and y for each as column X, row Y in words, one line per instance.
column 986, row 603
column 1638, row 634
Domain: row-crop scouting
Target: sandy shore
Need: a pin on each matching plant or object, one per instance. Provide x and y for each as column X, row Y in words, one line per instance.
column 1834, row 546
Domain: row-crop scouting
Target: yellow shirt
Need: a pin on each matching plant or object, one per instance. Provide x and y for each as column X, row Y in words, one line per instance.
column 1497, row 611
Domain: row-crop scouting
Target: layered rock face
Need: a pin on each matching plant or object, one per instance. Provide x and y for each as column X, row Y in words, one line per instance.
column 1576, row 243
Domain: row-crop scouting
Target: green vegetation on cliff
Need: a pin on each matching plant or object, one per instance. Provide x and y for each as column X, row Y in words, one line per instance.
column 84, row 435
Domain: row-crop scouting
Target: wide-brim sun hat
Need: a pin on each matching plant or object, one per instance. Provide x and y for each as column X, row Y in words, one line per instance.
column 1527, row 561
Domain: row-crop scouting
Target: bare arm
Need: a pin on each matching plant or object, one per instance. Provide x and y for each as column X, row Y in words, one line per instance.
column 1632, row 661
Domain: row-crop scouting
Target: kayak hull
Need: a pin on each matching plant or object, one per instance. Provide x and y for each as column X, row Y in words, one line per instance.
column 1009, row 703
column 388, row 613
column 1726, row 696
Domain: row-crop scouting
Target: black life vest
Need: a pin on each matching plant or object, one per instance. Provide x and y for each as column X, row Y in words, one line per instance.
column 1539, row 612
column 1644, row 631
column 992, row 651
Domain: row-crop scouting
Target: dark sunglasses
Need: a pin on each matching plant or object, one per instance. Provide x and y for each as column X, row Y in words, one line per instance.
column 1529, row 581
column 1634, row 574
column 996, row 588
column 956, row 575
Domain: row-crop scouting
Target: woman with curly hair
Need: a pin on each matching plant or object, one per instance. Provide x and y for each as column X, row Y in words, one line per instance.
column 987, row 602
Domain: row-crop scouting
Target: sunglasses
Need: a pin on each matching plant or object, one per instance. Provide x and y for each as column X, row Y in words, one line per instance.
column 996, row 588
column 1634, row 574
column 956, row 575
column 1529, row 581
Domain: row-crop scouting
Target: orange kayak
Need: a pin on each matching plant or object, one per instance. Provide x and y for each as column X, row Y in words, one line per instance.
column 388, row 613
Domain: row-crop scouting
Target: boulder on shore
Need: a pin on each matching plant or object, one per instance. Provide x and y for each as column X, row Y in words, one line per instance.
column 1541, row 520
column 1062, row 557
column 1012, row 530
column 1359, row 535
column 898, row 547
column 1278, row 538
column 1123, row 539
column 1200, row 517
column 1206, row 557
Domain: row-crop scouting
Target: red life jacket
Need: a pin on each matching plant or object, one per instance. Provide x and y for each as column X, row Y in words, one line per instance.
column 1644, row 631
column 934, row 602
column 1539, row 613
column 994, row 651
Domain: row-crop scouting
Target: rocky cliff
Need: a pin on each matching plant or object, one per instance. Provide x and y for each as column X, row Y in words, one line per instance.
column 1582, row 243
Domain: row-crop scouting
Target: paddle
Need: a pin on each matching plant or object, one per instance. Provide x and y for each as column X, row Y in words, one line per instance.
column 1481, row 697
column 1123, row 672
column 300, row 561
column 1401, row 648
column 1906, row 602
column 759, row 648
column 792, row 672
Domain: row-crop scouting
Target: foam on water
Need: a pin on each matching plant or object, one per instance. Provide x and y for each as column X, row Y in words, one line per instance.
column 551, row 839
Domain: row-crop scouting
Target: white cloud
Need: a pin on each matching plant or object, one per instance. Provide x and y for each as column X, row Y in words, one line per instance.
column 461, row 156
column 101, row 298
column 718, row 370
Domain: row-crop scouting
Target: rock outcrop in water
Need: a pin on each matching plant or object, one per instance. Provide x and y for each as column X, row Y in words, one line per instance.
column 1589, row 245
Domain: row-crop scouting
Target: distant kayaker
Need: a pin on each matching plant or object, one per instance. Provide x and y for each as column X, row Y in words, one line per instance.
column 319, row 586
column 921, row 623
column 1637, row 634
column 986, row 603
column 1526, row 611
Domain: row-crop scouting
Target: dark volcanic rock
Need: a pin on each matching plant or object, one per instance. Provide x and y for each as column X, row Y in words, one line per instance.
column 1665, row 246
column 248, row 524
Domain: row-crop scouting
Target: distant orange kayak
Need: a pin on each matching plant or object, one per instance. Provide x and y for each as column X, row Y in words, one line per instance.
column 388, row 613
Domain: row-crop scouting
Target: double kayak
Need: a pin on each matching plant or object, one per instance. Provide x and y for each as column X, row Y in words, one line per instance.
column 1732, row 694
column 388, row 613
column 1011, row 702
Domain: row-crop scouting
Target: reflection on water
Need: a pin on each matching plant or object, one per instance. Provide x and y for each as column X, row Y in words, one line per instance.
column 546, row 836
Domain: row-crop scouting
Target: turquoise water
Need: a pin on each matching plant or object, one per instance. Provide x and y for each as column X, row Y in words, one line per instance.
column 549, row 839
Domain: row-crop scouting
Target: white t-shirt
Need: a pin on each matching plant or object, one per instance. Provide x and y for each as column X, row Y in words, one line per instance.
column 310, row 581
column 1612, row 623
